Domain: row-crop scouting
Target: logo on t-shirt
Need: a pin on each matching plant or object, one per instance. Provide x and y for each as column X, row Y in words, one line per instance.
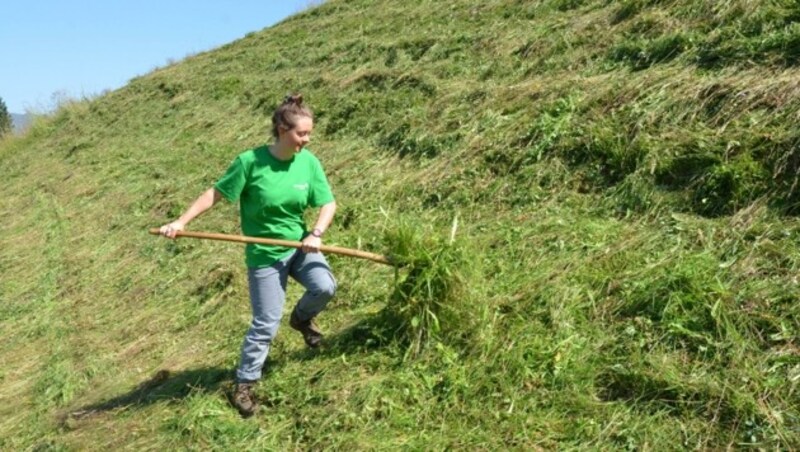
column 303, row 186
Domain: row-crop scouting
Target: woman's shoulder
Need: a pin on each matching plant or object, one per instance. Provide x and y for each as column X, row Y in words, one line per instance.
column 251, row 157
column 252, row 154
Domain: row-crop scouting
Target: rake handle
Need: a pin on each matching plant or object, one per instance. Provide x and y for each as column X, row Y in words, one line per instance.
column 277, row 242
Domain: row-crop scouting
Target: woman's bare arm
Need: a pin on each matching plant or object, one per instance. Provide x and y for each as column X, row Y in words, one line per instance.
column 203, row 202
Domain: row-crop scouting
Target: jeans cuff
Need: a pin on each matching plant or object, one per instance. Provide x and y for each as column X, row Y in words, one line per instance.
column 245, row 377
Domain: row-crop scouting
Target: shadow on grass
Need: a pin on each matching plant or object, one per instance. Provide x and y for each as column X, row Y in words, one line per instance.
column 368, row 335
column 365, row 336
column 165, row 385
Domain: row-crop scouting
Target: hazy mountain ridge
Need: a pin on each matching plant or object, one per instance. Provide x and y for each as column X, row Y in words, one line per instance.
column 21, row 121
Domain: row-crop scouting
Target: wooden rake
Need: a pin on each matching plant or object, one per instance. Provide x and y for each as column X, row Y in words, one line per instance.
column 277, row 242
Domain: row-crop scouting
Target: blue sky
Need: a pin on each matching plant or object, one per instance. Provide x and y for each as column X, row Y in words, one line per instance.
column 70, row 49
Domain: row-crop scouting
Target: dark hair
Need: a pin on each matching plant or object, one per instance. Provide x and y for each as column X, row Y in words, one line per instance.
column 287, row 112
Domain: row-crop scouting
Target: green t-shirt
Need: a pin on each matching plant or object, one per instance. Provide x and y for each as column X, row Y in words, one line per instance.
column 272, row 196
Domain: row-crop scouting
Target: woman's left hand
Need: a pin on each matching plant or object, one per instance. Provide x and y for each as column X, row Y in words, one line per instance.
column 311, row 244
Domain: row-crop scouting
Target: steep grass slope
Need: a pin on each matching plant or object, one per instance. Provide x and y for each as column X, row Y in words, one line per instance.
column 625, row 178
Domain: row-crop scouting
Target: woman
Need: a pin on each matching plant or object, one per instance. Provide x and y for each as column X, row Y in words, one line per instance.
column 274, row 184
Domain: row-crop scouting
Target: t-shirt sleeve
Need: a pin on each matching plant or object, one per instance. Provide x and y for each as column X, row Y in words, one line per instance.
column 232, row 182
column 320, row 192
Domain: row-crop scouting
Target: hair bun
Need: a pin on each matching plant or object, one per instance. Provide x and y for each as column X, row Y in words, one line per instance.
column 285, row 116
column 296, row 99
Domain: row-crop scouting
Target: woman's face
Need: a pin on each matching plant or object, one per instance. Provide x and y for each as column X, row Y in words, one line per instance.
column 299, row 136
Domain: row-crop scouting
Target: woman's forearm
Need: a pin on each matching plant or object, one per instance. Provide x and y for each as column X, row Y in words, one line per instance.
column 200, row 205
column 325, row 216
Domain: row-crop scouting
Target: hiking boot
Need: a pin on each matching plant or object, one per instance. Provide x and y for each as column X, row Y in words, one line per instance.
column 244, row 400
column 311, row 332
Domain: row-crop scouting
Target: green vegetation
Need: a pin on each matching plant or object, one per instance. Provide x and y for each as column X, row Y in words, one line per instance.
column 5, row 119
column 624, row 273
column 430, row 300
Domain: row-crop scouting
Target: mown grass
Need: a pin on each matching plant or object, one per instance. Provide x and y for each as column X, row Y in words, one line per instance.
column 624, row 272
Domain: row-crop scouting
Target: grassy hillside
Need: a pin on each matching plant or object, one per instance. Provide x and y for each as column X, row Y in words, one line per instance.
column 625, row 181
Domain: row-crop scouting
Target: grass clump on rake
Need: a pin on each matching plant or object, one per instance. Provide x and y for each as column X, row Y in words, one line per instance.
column 430, row 301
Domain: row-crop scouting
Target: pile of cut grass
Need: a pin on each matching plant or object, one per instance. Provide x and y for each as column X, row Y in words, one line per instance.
column 431, row 300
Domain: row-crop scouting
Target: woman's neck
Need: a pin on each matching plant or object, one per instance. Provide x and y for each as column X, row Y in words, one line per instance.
column 281, row 152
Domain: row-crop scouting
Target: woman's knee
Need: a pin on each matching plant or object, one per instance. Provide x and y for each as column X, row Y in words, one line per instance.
column 327, row 288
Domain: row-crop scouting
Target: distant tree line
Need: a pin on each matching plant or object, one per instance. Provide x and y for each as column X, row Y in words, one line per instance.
column 5, row 119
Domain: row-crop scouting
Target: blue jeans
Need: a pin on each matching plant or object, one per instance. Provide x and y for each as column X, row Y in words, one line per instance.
column 267, row 296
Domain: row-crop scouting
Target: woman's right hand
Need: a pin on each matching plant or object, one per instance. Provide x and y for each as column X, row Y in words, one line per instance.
column 170, row 230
